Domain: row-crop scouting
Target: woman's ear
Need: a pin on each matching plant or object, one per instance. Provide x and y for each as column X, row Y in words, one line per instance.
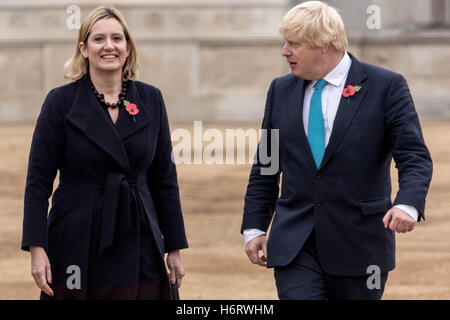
column 83, row 49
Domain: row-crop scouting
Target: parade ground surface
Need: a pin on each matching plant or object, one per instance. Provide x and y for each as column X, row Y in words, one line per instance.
column 212, row 200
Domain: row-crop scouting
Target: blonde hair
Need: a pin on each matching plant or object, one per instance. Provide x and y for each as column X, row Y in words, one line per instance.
column 316, row 23
column 78, row 66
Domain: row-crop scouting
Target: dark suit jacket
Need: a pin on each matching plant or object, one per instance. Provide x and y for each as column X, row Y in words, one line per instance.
column 346, row 198
column 117, row 173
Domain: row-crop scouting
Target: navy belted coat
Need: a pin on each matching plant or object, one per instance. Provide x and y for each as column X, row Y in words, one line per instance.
column 117, row 185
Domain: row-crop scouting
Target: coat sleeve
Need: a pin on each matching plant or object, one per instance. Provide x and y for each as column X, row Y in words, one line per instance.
column 44, row 160
column 410, row 153
column 163, row 185
column 262, row 190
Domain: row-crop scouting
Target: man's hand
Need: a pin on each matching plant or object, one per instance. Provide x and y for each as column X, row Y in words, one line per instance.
column 254, row 246
column 398, row 220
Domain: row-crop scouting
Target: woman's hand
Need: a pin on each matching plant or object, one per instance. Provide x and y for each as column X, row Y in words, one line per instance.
column 40, row 269
column 176, row 267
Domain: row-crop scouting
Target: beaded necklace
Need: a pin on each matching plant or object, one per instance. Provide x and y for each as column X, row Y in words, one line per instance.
column 101, row 97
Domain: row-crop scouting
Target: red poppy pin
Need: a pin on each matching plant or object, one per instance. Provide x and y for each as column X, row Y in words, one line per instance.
column 131, row 108
column 350, row 91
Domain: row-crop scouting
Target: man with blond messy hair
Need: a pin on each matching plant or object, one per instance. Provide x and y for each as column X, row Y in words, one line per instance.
column 340, row 122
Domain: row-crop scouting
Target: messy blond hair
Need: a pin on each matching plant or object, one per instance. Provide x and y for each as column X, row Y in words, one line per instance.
column 78, row 66
column 316, row 23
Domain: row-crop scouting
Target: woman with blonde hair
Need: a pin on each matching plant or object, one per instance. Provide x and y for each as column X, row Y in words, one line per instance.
column 116, row 209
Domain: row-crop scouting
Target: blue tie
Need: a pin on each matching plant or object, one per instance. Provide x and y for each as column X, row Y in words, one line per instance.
column 316, row 127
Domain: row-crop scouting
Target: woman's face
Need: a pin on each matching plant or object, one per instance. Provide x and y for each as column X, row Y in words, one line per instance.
column 106, row 47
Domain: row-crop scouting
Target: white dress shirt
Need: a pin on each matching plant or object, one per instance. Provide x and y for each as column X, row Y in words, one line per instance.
column 331, row 96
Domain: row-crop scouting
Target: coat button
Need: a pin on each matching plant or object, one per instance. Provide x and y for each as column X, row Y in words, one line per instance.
column 318, row 175
column 318, row 204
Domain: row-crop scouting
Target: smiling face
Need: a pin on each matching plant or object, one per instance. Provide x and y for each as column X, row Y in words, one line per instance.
column 305, row 61
column 106, row 47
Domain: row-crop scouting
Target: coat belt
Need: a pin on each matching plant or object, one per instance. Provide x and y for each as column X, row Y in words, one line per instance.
column 120, row 194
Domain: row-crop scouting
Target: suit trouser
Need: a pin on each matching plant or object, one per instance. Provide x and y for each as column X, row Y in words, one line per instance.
column 305, row 279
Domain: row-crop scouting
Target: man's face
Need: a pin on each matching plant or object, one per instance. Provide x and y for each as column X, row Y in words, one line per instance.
column 305, row 62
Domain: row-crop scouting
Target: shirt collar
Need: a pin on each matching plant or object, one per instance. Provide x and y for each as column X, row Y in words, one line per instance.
column 337, row 75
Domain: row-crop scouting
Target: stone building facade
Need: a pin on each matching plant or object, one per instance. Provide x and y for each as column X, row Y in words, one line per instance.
column 214, row 59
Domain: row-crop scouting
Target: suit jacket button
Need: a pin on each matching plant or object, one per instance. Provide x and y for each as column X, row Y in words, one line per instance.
column 318, row 176
column 318, row 204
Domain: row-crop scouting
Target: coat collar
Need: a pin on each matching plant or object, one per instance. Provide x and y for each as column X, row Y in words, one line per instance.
column 344, row 115
column 87, row 115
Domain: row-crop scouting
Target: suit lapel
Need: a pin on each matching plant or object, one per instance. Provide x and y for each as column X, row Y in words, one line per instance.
column 296, row 97
column 87, row 116
column 346, row 110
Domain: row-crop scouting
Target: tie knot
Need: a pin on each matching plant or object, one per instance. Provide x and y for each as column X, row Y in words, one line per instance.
column 320, row 84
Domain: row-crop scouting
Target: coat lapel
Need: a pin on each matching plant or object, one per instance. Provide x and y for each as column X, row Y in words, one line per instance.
column 127, row 126
column 346, row 110
column 296, row 97
column 86, row 114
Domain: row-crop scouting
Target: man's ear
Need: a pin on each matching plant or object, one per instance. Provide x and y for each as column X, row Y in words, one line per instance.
column 83, row 49
column 324, row 49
